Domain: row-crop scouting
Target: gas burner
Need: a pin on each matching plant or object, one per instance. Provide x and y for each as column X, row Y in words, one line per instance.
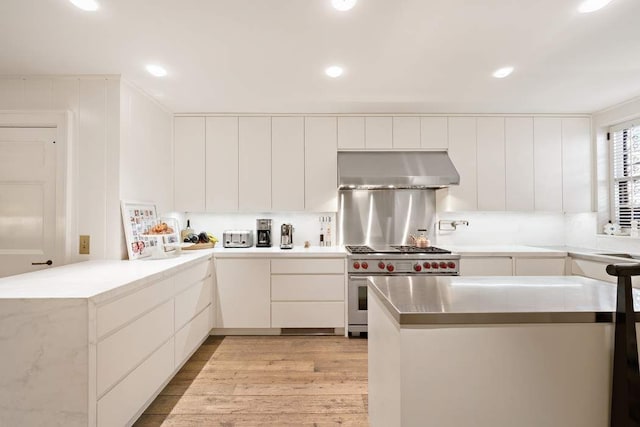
column 415, row 249
column 360, row 249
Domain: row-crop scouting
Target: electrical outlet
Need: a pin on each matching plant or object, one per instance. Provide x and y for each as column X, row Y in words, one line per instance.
column 85, row 245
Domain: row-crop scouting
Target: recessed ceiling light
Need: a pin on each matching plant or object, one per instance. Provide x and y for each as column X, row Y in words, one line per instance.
column 343, row 5
column 503, row 72
column 334, row 71
column 592, row 5
column 156, row 70
column 89, row 5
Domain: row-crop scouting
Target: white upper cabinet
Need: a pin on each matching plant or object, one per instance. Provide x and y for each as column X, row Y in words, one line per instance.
column 287, row 163
column 350, row 133
column 462, row 150
column 576, row 164
column 406, row 132
column 189, row 164
column 547, row 163
column 321, row 164
column 378, row 133
column 434, row 133
column 254, row 181
column 519, row 163
column 222, row 164
column 491, row 165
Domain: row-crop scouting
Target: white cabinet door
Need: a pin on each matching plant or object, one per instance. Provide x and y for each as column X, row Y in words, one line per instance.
column 222, row 164
column 576, row 165
column 486, row 266
column 462, row 150
column 321, row 164
column 243, row 293
column 547, row 163
column 406, row 132
column 539, row 266
column 434, row 133
column 254, row 182
column 189, row 164
column 378, row 132
column 491, row 166
column 519, row 163
column 350, row 133
column 287, row 163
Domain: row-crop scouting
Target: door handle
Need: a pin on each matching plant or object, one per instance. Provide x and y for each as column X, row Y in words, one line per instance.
column 48, row 262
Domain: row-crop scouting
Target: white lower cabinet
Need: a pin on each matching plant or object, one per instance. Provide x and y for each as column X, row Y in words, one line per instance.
column 280, row 293
column 144, row 337
column 539, row 266
column 124, row 402
column 592, row 269
column 309, row 314
column 243, row 293
column 486, row 266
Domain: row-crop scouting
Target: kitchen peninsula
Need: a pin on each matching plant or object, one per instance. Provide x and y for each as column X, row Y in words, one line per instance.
column 489, row 351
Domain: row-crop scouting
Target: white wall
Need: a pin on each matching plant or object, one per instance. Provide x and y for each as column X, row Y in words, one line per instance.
column 95, row 104
column 145, row 163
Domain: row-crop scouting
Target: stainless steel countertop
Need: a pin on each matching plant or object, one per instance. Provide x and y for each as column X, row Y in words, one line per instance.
column 419, row 300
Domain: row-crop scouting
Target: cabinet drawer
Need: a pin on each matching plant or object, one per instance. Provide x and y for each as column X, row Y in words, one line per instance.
column 125, row 400
column 486, row 266
column 319, row 287
column 188, row 338
column 117, row 313
column 191, row 301
column 307, row 266
column 307, row 314
column 192, row 275
column 122, row 351
column 540, row 266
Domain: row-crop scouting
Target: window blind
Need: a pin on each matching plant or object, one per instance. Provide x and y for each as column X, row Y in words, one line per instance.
column 625, row 141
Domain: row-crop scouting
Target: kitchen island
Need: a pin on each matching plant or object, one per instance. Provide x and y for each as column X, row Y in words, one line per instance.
column 490, row 351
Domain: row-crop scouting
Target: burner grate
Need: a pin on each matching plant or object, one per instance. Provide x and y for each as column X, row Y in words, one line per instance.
column 417, row 250
column 360, row 249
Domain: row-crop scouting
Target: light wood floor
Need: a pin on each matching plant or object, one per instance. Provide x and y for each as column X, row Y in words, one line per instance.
column 275, row 381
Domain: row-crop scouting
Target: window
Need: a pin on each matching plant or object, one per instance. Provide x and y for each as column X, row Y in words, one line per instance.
column 625, row 168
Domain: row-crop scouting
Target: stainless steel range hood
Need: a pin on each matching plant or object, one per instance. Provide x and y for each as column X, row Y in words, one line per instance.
column 396, row 169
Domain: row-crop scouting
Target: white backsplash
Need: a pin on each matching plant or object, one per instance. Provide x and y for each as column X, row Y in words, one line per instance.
column 306, row 225
column 503, row 228
column 485, row 228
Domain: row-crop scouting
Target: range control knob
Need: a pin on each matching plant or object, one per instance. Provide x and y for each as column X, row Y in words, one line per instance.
column 381, row 265
column 390, row 267
column 426, row 265
column 434, row 265
column 452, row 265
column 417, row 267
column 356, row 265
column 443, row 265
column 365, row 265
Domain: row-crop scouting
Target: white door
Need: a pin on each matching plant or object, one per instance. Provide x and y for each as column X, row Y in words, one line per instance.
column 27, row 199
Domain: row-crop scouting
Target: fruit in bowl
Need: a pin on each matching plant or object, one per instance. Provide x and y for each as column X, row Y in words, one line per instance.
column 160, row 228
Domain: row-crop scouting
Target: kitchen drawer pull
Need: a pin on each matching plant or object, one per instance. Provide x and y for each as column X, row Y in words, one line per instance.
column 48, row 262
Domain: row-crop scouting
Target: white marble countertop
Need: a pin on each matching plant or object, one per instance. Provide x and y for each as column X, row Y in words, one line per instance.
column 298, row 251
column 97, row 280
column 425, row 300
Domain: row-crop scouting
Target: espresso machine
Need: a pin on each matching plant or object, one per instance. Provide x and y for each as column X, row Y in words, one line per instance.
column 286, row 236
column 263, row 229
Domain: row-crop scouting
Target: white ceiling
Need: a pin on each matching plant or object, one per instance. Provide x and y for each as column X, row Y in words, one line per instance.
column 399, row 55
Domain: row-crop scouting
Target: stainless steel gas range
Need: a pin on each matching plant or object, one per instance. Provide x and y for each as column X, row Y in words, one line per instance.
column 390, row 260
